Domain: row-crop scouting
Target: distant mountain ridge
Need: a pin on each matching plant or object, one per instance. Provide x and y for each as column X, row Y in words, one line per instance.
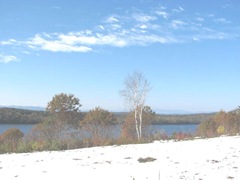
column 178, row 112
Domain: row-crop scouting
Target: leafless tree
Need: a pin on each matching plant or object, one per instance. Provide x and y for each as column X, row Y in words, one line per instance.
column 135, row 94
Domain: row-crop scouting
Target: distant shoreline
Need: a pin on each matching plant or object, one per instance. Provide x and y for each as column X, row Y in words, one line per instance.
column 23, row 116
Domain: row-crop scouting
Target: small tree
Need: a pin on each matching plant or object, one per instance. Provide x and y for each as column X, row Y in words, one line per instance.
column 53, row 132
column 98, row 125
column 135, row 94
column 10, row 139
column 65, row 107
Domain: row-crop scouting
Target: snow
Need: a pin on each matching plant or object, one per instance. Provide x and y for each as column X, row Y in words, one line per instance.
column 205, row 159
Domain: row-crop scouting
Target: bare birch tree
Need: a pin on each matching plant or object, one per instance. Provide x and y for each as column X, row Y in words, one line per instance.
column 135, row 94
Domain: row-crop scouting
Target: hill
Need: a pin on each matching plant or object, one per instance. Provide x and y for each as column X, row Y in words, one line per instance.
column 21, row 116
column 34, row 108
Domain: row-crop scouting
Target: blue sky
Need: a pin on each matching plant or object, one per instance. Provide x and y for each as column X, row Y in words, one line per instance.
column 188, row 50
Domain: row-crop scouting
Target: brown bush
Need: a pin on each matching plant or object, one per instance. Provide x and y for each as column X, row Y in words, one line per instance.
column 97, row 127
column 10, row 139
column 222, row 123
column 128, row 131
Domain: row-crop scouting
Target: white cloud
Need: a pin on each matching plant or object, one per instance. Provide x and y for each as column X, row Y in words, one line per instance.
column 9, row 42
column 225, row 6
column 26, row 52
column 162, row 13
column 200, row 19
column 143, row 26
column 222, row 20
column 88, row 32
column 177, row 24
column 212, row 35
column 58, row 47
column 64, row 45
column 143, row 18
column 211, row 15
column 83, row 42
column 7, row 58
column 115, row 26
column 179, row 9
column 101, row 27
column 195, row 38
column 112, row 19
column 150, row 39
column 129, row 29
column 75, row 42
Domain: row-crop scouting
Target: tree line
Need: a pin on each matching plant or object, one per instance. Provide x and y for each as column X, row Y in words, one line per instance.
column 20, row 116
column 182, row 119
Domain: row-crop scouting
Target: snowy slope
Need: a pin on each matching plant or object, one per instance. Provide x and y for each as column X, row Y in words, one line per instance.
column 206, row 159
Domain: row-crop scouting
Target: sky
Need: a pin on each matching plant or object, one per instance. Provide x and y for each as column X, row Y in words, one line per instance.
column 188, row 50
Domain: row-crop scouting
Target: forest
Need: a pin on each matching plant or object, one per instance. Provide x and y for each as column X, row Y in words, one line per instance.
column 20, row 116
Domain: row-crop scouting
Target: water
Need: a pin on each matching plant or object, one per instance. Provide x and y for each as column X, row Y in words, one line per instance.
column 168, row 129
column 25, row 128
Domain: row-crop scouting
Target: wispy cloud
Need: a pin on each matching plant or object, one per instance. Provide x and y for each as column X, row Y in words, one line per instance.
column 200, row 19
column 55, row 44
column 222, row 20
column 112, row 19
column 143, row 18
column 225, row 6
column 133, row 28
column 176, row 24
column 7, row 58
column 162, row 13
column 179, row 9
column 9, row 42
column 81, row 42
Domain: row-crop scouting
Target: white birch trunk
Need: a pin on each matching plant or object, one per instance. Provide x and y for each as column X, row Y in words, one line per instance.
column 140, row 122
column 136, row 123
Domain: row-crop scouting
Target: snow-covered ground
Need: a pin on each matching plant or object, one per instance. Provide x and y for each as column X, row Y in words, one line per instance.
column 205, row 159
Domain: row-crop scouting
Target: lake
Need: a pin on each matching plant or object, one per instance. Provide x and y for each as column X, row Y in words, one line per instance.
column 167, row 128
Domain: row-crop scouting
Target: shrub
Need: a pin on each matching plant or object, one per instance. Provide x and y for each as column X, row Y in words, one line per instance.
column 23, row 147
column 159, row 136
column 181, row 136
column 97, row 127
column 10, row 139
column 222, row 123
